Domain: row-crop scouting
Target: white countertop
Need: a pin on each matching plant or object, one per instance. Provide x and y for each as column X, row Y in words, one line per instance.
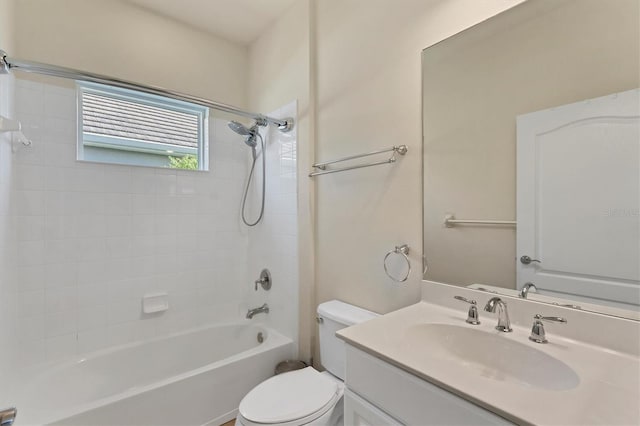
column 608, row 392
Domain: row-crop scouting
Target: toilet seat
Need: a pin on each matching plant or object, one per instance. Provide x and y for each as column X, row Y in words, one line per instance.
column 293, row 398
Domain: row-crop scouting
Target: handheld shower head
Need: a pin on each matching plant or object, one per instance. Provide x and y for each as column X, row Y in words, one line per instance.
column 239, row 128
column 250, row 133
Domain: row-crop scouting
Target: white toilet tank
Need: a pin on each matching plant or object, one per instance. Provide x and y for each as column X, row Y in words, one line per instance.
column 333, row 316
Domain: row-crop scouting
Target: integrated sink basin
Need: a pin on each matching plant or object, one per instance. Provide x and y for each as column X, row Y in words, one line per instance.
column 493, row 356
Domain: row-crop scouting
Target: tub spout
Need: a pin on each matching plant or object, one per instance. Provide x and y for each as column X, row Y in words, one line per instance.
column 262, row 309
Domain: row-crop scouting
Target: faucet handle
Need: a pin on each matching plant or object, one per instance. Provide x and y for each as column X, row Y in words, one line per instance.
column 464, row 299
column 538, row 334
column 554, row 319
column 472, row 315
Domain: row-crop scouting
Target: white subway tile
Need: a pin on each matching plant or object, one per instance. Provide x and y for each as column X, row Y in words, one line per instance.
column 142, row 181
column 143, row 225
column 28, row 203
column 89, row 179
column 31, row 328
column 31, row 303
column 117, row 180
column 59, row 104
column 118, row 269
column 117, row 204
column 91, row 273
column 143, row 266
column 61, row 275
column 93, row 340
column 30, row 228
column 90, row 249
column 29, row 353
column 92, row 295
column 31, row 277
column 59, row 323
column 118, row 226
column 60, row 130
column 143, row 204
column 60, row 154
column 92, row 317
column 29, row 100
column 165, row 224
column 119, row 247
column 60, row 347
column 187, row 205
column 61, row 299
column 142, row 245
column 165, row 184
column 166, row 205
column 31, row 253
column 60, row 251
column 88, row 226
column 165, row 244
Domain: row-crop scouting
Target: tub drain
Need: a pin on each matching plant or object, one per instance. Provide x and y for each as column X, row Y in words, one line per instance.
column 260, row 337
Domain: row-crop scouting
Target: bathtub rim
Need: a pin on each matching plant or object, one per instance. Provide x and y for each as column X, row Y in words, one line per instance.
column 273, row 340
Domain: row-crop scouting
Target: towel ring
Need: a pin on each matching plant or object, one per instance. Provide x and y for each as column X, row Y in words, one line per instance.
column 404, row 251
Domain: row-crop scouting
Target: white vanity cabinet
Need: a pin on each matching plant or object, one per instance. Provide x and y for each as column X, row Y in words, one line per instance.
column 379, row 393
column 359, row 412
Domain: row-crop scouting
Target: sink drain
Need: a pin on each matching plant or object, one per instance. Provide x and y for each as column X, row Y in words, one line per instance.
column 260, row 337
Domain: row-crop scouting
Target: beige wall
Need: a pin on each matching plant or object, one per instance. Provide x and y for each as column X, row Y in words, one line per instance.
column 540, row 55
column 354, row 66
column 6, row 24
column 279, row 72
column 369, row 97
column 117, row 39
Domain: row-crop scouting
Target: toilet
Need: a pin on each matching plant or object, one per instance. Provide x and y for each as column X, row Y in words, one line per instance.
column 307, row 396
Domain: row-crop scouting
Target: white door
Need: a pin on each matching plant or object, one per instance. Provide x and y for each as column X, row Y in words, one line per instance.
column 578, row 202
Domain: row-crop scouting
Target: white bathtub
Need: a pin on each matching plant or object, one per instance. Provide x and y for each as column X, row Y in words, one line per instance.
column 192, row 378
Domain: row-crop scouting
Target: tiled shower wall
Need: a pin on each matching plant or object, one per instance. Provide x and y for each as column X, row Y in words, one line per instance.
column 273, row 243
column 7, row 293
column 91, row 239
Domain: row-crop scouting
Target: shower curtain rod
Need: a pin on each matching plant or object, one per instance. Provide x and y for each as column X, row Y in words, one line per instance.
column 7, row 64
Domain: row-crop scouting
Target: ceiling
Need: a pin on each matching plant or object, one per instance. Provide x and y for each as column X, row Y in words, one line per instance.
column 240, row 21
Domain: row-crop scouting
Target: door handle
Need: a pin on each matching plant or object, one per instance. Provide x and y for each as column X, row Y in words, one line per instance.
column 7, row 416
column 526, row 260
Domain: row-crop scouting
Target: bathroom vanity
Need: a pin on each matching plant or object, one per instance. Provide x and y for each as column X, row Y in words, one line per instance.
column 376, row 387
column 425, row 365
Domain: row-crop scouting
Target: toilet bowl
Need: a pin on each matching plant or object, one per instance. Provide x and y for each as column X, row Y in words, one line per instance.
column 307, row 396
column 301, row 397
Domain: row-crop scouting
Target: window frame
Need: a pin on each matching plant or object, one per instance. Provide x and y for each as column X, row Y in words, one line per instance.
column 135, row 145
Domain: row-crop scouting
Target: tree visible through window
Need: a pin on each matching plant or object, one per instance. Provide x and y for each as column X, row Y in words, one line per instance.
column 128, row 127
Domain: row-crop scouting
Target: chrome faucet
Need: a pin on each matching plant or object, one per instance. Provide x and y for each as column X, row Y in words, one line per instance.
column 262, row 309
column 528, row 287
column 495, row 303
column 537, row 331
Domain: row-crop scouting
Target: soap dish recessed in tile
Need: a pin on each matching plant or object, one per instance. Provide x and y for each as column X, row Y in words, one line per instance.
column 155, row 302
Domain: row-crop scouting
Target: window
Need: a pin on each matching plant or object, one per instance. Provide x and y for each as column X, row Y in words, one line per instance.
column 128, row 127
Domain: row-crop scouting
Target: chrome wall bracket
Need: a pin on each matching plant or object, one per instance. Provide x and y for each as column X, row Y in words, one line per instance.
column 4, row 65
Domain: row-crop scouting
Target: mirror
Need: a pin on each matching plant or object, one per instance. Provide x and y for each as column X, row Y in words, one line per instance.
column 531, row 128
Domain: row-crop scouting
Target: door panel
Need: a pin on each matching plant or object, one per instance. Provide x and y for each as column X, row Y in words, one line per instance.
column 579, row 198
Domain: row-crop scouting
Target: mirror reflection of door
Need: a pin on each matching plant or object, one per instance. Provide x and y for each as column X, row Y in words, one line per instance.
column 578, row 203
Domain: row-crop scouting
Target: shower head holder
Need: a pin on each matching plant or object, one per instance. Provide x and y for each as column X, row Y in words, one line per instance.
column 4, row 65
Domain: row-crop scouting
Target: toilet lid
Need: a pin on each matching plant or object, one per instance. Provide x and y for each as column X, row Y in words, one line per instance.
column 288, row 397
